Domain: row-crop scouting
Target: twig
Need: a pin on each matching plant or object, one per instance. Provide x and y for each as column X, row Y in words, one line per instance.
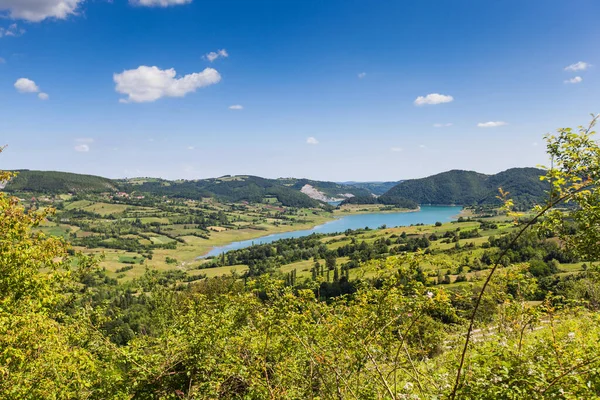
column 582, row 364
column 489, row 278
column 385, row 383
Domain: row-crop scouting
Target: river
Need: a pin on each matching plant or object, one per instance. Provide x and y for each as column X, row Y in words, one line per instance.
column 426, row 215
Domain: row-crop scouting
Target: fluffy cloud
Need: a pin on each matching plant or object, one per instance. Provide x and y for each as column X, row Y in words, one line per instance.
column 396, row 149
column 491, row 124
column 362, row 75
column 213, row 55
column 577, row 79
column 433, row 98
column 236, row 107
column 159, row 3
column 83, row 144
column 312, row 140
column 25, row 85
column 442, row 125
column 578, row 66
column 38, row 10
column 146, row 84
column 12, row 30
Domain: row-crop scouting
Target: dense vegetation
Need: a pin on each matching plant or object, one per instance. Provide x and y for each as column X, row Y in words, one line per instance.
column 69, row 331
column 470, row 188
column 377, row 188
column 58, row 182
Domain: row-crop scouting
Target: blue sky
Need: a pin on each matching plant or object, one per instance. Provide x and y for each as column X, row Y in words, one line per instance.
column 328, row 89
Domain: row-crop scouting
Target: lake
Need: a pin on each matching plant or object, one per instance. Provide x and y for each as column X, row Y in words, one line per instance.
column 426, row 215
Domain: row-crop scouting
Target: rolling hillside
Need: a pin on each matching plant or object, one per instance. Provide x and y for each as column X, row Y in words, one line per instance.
column 377, row 188
column 330, row 189
column 451, row 187
column 470, row 188
column 55, row 182
column 226, row 188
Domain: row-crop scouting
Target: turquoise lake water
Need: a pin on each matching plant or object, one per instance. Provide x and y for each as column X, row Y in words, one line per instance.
column 427, row 215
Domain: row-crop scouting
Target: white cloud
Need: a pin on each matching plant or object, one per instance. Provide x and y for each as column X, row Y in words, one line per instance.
column 38, row 10
column 2, row 60
column 190, row 147
column 433, row 98
column 578, row 66
column 396, row 149
column 159, row 3
column 491, row 124
column 146, row 84
column 82, row 148
column 577, row 79
column 213, row 55
column 442, row 125
column 25, row 85
column 422, row 146
column 362, row 75
column 312, row 140
column 12, row 30
column 236, row 107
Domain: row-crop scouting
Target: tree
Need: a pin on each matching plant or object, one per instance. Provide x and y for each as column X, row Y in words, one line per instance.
column 574, row 178
column 330, row 262
column 41, row 357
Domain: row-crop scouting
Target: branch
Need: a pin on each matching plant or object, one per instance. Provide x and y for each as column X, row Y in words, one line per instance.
column 489, row 278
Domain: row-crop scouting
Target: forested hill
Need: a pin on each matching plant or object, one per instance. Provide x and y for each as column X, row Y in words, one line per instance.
column 58, row 182
column 452, row 187
column 226, row 188
column 331, row 189
column 470, row 188
column 377, row 188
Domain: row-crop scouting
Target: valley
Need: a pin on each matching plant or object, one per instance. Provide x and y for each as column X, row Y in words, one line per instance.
column 187, row 226
column 288, row 200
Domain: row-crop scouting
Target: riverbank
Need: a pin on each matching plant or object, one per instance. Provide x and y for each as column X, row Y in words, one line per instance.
column 352, row 221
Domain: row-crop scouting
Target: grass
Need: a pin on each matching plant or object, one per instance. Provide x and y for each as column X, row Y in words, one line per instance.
column 160, row 239
column 252, row 221
column 105, row 209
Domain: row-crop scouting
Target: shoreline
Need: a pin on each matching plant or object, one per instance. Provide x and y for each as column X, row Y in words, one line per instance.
column 337, row 216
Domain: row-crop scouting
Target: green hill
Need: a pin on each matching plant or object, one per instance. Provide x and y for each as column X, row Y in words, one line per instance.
column 58, row 182
column 227, row 188
column 377, row 188
column 331, row 189
column 471, row 188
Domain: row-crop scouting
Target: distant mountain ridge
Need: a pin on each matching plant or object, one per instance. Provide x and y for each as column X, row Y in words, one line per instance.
column 451, row 187
column 473, row 188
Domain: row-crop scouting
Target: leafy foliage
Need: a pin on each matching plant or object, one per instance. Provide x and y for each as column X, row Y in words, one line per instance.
column 67, row 331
